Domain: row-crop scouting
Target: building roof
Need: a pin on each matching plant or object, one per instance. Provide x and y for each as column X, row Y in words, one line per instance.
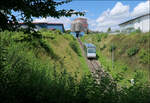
column 45, row 23
column 134, row 19
column 80, row 19
column 60, row 24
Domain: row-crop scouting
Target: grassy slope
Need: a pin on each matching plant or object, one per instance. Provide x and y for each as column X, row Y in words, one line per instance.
column 52, row 49
column 138, row 62
column 72, row 62
column 27, row 62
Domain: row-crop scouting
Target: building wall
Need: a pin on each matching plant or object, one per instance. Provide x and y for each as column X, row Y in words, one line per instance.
column 79, row 24
column 48, row 26
column 142, row 23
column 57, row 27
column 146, row 24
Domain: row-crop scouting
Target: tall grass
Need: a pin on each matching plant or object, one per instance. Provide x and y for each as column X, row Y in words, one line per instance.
column 26, row 78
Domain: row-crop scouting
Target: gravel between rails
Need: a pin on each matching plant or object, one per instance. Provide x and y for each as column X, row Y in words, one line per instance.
column 94, row 65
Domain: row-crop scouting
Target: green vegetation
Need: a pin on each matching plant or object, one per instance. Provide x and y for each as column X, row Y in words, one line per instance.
column 74, row 45
column 132, row 51
column 144, row 57
column 112, row 48
column 44, row 68
column 50, row 46
column 131, row 54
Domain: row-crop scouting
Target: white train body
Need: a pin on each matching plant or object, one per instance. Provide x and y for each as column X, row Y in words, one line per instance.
column 90, row 50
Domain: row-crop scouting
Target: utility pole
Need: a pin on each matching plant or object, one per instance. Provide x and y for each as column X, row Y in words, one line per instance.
column 112, row 54
column 112, row 59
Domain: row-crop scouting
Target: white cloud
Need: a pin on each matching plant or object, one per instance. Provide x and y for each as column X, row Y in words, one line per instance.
column 118, row 14
column 109, row 18
column 119, row 10
column 113, row 17
column 141, row 8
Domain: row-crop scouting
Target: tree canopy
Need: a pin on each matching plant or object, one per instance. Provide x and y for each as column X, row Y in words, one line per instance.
column 109, row 29
column 27, row 9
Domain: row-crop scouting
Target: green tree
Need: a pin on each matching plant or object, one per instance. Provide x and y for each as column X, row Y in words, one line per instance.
column 27, row 9
column 109, row 29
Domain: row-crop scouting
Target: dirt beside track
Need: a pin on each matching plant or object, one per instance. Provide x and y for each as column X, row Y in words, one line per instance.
column 94, row 65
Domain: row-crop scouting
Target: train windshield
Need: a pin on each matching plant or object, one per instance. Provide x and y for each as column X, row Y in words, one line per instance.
column 91, row 50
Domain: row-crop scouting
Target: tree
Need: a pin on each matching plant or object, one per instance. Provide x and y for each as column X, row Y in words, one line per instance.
column 109, row 29
column 27, row 9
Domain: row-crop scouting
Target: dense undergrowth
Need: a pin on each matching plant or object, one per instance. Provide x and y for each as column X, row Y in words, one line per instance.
column 34, row 70
column 126, row 54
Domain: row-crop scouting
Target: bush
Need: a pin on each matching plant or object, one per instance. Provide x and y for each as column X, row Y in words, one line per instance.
column 75, row 46
column 98, row 37
column 138, row 31
column 132, row 51
column 26, row 78
column 143, row 39
column 104, row 35
column 112, row 48
column 69, row 37
column 103, row 47
column 144, row 57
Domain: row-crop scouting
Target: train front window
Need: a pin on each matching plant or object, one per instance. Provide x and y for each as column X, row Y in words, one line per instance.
column 91, row 50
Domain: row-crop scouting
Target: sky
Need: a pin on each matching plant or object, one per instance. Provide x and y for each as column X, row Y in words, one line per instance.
column 102, row 14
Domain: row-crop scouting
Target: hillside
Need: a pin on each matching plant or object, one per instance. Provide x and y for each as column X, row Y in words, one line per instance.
column 51, row 47
column 48, row 67
column 130, row 53
column 67, row 49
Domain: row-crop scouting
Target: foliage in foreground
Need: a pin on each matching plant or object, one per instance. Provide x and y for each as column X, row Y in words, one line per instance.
column 27, row 9
column 26, row 78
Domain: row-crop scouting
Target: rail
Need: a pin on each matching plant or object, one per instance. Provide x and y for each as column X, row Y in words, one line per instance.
column 94, row 65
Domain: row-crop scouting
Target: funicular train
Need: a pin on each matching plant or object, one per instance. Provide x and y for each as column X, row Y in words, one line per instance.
column 90, row 50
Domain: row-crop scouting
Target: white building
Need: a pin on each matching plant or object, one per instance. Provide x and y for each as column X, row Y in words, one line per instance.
column 142, row 23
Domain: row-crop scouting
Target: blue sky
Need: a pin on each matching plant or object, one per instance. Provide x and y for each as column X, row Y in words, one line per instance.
column 102, row 14
column 96, row 7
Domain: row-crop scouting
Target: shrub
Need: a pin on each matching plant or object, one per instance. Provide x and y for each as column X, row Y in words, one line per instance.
column 143, row 39
column 98, row 37
column 124, row 68
column 57, row 32
column 112, row 47
column 25, row 78
column 138, row 31
column 103, row 47
column 144, row 57
column 104, row 35
column 132, row 51
column 75, row 46
column 69, row 37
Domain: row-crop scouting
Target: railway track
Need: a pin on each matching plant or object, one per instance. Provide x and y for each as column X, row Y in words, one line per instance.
column 97, row 70
column 93, row 64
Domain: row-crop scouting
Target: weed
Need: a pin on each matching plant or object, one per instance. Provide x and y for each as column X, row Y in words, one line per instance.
column 112, row 47
column 103, row 47
column 26, row 78
column 75, row 46
column 132, row 51
column 144, row 56
column 143, row 39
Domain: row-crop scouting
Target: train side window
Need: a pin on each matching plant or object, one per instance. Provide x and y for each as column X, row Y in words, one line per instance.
column 91, row 50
